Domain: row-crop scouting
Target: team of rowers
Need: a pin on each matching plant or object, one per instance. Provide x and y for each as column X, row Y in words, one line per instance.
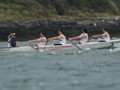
column 83, row 38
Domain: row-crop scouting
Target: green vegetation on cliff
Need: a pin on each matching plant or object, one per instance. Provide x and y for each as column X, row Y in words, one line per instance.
column 39, row 9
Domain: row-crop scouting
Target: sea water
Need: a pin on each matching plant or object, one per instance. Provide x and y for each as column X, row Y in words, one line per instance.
column 97, row 69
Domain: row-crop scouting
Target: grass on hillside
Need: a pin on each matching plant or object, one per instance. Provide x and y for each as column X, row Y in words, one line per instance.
column 61, row 9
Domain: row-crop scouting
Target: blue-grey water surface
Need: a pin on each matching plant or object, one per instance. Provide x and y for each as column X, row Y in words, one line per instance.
column 97, row 69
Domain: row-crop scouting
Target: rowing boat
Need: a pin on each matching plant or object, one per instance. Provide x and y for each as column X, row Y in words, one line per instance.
column 90, row 45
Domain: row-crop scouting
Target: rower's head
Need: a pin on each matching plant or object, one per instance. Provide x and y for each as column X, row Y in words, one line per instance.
column 42, row 34
column 59, row 32
column 85, row 31
column 104, row 30
column 13, row 35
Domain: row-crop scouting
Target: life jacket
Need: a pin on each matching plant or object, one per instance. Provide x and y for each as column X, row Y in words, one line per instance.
column 12, row 42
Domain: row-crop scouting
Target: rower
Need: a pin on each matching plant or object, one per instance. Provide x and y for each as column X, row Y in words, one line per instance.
column 83, row 38
column 12, row 40
column 61, row 38
column 104, row 37
column 41, row 41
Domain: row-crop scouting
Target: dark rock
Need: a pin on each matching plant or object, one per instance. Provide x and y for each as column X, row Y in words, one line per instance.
column 30, row 29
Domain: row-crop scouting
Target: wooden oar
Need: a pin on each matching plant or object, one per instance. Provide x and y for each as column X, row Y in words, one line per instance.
column 75, row 45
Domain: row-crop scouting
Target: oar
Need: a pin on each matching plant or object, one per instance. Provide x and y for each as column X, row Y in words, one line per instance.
column 32, row 47
column 4, row 48
column 75, row 45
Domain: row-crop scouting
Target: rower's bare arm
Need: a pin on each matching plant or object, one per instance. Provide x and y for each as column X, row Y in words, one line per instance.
column 104, row 35
column 77, row 37
column 36, row 40
column 53, row 38
column 96, row 36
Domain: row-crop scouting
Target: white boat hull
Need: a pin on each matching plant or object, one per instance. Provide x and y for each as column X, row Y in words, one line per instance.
column 90, row 45
column 18, row 49
column 22, row 49
column 94, row 45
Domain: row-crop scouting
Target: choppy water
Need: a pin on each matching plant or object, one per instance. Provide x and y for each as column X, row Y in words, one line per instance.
column 74, row 70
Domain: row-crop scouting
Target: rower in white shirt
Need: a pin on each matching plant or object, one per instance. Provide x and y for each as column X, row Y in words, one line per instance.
column 41, row 41
column 83, row 38
column 104, row 37
column 61, row 38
